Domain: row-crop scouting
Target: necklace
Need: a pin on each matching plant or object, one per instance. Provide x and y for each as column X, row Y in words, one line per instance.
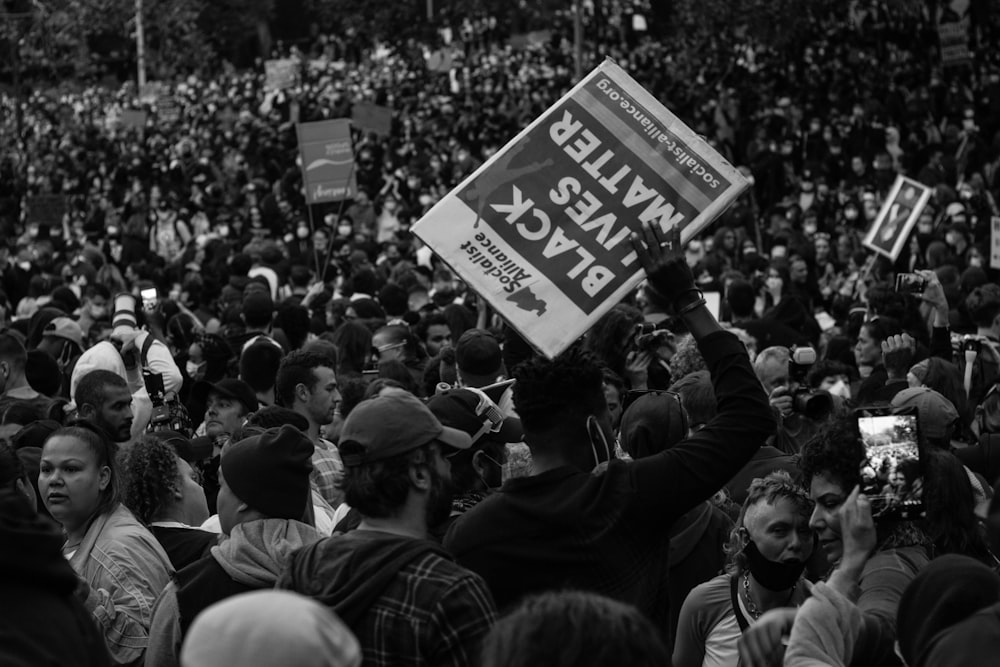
column 755, row 611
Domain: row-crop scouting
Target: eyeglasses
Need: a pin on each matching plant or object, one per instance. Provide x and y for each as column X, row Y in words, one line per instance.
column 633, row 395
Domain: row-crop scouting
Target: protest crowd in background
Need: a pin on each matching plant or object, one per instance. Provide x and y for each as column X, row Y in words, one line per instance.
column 237, row 430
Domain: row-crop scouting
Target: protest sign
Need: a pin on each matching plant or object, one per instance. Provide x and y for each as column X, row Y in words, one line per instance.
column 280, row 74
column 372, row 118
column 152, row 91
column 534, row 38
column 995, row 242
column 132, row 119
column 168, row 110
column 899, row 212
column 440, row 61
column 953, row 39
column 45, row 210
column 541, row 230
column 327, row 160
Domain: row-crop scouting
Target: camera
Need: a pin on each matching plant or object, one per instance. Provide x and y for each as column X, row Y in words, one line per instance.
column 648, row 338
column 160, row 419
column 971, row 344
column 814, row 404
column 910, row 283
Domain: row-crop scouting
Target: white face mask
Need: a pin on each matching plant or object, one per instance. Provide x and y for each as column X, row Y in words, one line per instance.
column 841, row 389
column 192, row 369
column 975, row 261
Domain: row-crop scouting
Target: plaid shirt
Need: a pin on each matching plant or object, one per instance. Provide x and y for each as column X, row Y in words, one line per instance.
column 328, row 469
column 432, row 611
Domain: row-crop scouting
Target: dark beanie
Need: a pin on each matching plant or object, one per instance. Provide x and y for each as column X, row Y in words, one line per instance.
column 270, row 472
column 42, row 373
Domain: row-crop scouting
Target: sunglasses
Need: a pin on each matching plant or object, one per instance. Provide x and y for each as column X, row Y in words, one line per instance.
column 488, row 411
column 633, row 395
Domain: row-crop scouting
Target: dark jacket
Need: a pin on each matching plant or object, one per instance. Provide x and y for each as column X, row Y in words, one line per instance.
column 567, row 528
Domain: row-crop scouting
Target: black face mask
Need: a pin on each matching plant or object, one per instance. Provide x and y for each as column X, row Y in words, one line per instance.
column 772, row 575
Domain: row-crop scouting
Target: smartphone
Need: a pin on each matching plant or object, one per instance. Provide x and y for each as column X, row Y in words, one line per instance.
column 910, row 283
column 149, row 299
column 891, row 473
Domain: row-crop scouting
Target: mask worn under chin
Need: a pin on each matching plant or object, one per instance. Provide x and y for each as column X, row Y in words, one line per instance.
column 840, row 388
column 772, row 575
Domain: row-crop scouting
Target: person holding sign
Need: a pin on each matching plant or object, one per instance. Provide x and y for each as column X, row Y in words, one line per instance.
column 585, row 520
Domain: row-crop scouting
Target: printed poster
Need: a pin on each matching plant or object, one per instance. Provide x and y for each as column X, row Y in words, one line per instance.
column 280, row 74
column 541, row 230
column 327, row 160
column 900, row 210
column 995, row 242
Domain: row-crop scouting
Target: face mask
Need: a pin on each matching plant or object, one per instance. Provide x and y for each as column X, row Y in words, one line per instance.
column 773, row 283
column 840, row 388
column 192, row 369
column 772, row 575
column 850, row 214
column 302, row 232
column 344, row 230
column 809, row 228
column 99, row 312
column 975, row 261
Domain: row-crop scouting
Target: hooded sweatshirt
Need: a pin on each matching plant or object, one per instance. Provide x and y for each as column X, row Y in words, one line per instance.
column 252, row 558
column 404, row 598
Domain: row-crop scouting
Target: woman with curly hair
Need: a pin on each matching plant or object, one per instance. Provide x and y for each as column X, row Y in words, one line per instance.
column 163, row 492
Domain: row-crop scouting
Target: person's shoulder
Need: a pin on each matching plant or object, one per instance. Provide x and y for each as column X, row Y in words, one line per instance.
column 710, row 598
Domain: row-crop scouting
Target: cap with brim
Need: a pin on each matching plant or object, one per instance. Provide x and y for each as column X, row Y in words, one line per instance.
column 238, row 390
column 393, row 424
column 189, row 449
column 458, row 408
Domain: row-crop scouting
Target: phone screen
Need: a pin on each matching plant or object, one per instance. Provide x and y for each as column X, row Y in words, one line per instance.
column 891, row 474
column 148, row 299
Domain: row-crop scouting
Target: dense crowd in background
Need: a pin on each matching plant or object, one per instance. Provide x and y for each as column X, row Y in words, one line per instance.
column 234, row 430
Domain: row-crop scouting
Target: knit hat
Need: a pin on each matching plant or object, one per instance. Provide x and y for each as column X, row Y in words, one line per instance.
column 653, row 423
column 289, row 629
column 919, row 370
column 935, row 413
column 948, row 590
column 385, row 426
column 42, row 373
column 270, row 472
column 478, row 357
column 475, row 413
column 64, row 327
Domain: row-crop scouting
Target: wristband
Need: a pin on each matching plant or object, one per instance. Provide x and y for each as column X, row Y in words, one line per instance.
column 697, row 292
column 694, row 305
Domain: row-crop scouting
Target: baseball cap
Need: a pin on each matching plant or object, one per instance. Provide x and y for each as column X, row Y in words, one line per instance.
column 237, row 390
column 64, row 327
column 935, row 413
column 392, row 424
column 472, row 411
column 478, row 355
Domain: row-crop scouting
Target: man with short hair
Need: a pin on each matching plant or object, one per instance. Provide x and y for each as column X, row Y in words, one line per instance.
column 262, row 504
column 434, row 332
column 14, row 386
column 103, row 399
column 403, row 597
column 794, row 427
column 259, row 367
column 569, row 526
column 307, row 384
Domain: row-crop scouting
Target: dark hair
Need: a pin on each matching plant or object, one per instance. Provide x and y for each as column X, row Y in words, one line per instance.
column 23, row 414
column 295, row 369
column 293, row 319
column 396, row 370
column 697, row 397
column 546, row 392
column 881, row 327
column 259, row 365
column 378, row 489
column 149, row 477
column 91, row 388
column 12, row 349
column 836, row 452
column 11, row 467
column 275, row 416
column 944, row 377
column 394, row 300
column 426, row 322
column 354, row 346
column 605, row 338
column 950, row 507
column 593, row 630
column 217, row 353
column 105, row 452
column 983, row 304
column 825, row 368
column 352, row 392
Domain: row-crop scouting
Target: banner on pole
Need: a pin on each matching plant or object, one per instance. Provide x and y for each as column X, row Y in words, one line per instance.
column 995, row 242
column 370, row 117
column 168, row 110
column 541, row 230
column 327, row 160
column 280, row 74
column 900, row 210
column 954, row 41
column 152, row 91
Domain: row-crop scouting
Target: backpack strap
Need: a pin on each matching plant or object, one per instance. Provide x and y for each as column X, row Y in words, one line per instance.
column 144, row 352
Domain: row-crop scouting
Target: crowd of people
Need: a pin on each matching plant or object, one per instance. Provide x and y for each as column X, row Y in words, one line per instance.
column 234, row 430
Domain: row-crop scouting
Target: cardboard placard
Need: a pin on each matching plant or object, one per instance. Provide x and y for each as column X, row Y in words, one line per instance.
column 280, row 74
column 541, row 230
column 899, row 213
column 327, row 160
column 133, row 119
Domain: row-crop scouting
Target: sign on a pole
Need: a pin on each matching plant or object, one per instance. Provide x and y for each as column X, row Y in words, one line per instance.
column 280, row 74
column 995, row 242
column 954, row 41
column 541, row 230
column 372, row 118
column 327, row 160
column 900, row 211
